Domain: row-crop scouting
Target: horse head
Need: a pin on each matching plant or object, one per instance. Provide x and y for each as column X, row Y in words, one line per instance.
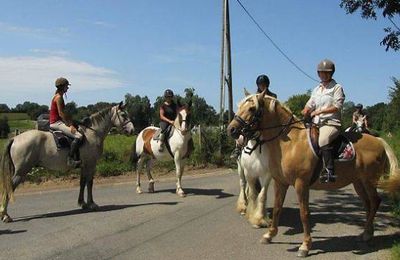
column 256, row 112
column 182, row 121
column 248, row 116
column 120, row 119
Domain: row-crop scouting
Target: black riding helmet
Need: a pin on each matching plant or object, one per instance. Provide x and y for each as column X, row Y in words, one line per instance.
column 359, row 106
column 168, row 93
column 262, row 79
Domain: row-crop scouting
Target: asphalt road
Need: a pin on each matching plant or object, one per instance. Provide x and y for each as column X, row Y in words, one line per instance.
column 204, row 225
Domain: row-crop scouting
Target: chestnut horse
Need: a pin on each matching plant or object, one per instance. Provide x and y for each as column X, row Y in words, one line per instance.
column 292, row 162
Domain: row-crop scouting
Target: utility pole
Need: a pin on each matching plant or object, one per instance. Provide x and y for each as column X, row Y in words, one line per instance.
column 226, row 66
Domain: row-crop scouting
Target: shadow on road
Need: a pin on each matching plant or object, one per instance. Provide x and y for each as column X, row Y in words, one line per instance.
column 10, row 232
column 341, row 206
column 104, row 208
column 207, row 192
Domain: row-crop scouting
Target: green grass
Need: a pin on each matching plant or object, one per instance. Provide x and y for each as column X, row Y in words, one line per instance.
column 395, row 250
column 15, row 116
column 21, row 124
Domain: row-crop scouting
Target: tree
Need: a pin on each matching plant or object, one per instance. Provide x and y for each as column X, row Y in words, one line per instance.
column 369, row 9
column 4, row 127
column 296, row 103
column 4, row 108
column 392, row 122
column 376, row 115
column 139, row 109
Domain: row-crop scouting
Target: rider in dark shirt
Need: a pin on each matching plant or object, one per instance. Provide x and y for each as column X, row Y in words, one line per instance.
column 168, row 113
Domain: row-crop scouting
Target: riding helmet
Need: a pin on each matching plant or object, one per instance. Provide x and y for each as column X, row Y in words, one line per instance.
column 262, row 79
column 168, row 93
column 326, row 65
column 60, row 82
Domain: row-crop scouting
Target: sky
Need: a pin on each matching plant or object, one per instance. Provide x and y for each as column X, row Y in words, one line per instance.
column 109, row 48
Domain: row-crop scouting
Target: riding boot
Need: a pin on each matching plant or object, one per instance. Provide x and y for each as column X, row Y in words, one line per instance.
column 327, row 174
column 73, row 156
column 161, row 138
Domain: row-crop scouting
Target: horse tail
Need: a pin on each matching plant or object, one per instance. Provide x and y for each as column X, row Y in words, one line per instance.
column 6, row 172
column 391, row 184
column 134, row 156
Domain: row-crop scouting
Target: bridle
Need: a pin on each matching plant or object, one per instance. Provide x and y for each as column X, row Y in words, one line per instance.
column 122, row 123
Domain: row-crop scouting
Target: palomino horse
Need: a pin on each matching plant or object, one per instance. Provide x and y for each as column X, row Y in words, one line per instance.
column 177, row 147
column 38, row 149
column 291, row 162
column 253, row 172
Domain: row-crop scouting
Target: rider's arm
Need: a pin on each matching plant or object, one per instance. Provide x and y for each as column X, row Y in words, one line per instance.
column 354, row 118
column 163, row 118
column 338, row 99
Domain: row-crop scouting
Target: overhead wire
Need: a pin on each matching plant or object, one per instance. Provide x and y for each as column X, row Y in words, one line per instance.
column 274, row 44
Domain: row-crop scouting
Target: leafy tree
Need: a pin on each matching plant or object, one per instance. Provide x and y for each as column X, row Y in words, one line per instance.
column 369, row 9
column 4, row 127
column 347, row 114
column 376, row 115
column 393, row 110
column 296, row 103
column 4, row 108
column 139, row 109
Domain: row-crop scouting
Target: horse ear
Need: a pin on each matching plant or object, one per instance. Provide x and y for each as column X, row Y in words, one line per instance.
column 260, row 96
column 246, row 93
column 121, row 105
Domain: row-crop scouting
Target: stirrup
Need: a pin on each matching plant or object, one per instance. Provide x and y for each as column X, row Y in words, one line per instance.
column 327, row 176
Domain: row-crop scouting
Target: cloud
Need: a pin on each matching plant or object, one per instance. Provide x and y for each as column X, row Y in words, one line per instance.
column 31, row 31
column 50, row 52
column 37, row 75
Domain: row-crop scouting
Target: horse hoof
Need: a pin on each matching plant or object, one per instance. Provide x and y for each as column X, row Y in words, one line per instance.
column 7, row 219
column 151, row 187
column 302, row 253
column 256, row 226
column 180, row 193
column 83, row 205
column 243, row 213
column 139, row 190
column 93, row 206
column 266, row 240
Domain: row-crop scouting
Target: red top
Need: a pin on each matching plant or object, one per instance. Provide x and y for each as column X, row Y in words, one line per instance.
column 54, row 115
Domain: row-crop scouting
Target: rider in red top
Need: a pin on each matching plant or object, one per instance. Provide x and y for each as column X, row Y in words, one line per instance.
column 60, row 122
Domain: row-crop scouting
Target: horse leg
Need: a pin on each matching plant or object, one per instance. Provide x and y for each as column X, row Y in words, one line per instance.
column 81, row 199
column 260, row 217
column 89, row 181
column 303, row 192
column 179, row 172
column 280, row 194
column 16, row 180
column 252, row 195
column 242, row 200
column 138, row 172
column 149, row 165
column 374, row 202
column 359, row 188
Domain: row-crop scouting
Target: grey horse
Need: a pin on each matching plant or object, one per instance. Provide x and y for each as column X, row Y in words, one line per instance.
column 38, row 149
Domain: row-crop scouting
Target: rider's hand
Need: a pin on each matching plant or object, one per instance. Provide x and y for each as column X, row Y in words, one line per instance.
column 315, row 113
column 73, row 129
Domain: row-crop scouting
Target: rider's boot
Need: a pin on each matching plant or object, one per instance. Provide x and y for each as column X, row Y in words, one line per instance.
column 327, row 174
column 161, row 138
column 73, row 157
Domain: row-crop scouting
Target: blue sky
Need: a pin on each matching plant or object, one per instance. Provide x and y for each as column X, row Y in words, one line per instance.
column 109, row 48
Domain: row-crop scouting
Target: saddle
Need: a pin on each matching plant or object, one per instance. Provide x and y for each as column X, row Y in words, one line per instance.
column 168, row 133
column 62, row 140
column 343, row 147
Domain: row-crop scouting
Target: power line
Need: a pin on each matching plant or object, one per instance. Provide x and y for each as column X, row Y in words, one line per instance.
column 274, row 44
column 395, row 25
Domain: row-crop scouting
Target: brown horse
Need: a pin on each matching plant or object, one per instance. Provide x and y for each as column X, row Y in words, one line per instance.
column 292, row 162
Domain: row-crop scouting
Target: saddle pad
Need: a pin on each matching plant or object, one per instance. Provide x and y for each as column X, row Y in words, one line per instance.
column 156, row 136
column 342, row 146
column 61, row 140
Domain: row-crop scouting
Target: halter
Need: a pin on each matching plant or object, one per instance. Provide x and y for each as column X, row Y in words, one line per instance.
column 121, row 122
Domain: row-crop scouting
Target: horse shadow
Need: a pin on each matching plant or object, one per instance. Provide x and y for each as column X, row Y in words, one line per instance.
column 341, row 206
column 11, row 232
column 218, row 193
column 104, row 208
